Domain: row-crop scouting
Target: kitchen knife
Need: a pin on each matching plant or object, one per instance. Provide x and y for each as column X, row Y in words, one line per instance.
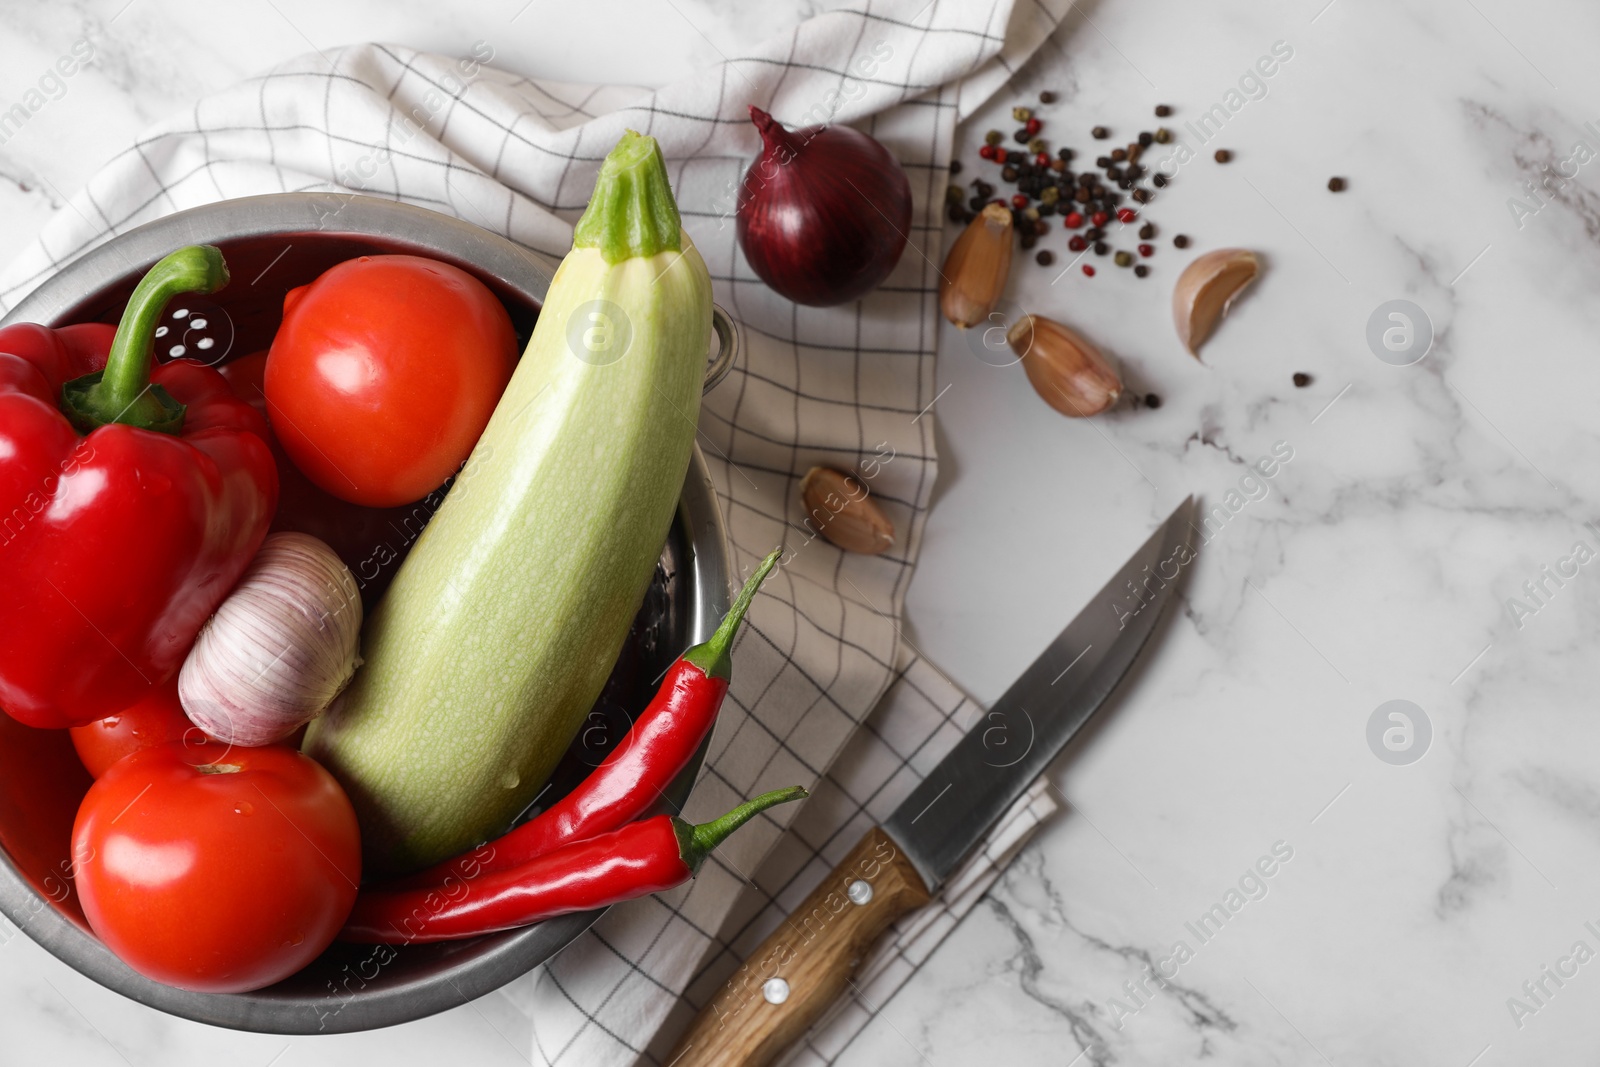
column 787, row 983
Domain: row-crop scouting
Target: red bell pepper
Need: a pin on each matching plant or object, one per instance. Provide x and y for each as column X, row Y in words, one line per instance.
column 131, row 499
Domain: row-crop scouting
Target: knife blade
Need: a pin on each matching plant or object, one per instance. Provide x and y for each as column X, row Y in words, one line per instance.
column 788, row 982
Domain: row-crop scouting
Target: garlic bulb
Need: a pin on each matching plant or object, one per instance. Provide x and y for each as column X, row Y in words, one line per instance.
column 279, row 649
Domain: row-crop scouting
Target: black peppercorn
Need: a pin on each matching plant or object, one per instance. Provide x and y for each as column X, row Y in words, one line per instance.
column 1335, row 185
column 1118, row 155
column 1047, row 97
column 1022, row 136
column 1142, row 195
column 1008, row 173
column 1301, row 380
column 1222, row 155
column 1141, row 270
column 1159, row 181
column 1082, row 195
column 1147, row 231
column 1101, row 248
column 1162, row 111
column 977, row 202
column 1151, row 400
column 1029, row 240
column 1180, row 241
column 1100, row 133
column 1045, row 257
column 1065, row 155
column 1093, row 233
column 955, row 166
column 1145, row 138
column 956, row 214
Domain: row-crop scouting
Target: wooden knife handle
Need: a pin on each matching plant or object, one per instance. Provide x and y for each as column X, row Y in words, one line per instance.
column 789, row 981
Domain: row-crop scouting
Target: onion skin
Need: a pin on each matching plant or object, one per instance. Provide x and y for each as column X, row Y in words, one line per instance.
column 824, row 212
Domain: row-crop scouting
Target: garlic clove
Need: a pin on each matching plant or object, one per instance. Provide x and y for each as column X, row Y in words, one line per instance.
column 279, row 649
column 977, row 267
column 1204, row 291
column 839, row 507
column 1067, row 371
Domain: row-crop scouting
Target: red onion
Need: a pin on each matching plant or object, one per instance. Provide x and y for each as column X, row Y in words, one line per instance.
column 824, row 213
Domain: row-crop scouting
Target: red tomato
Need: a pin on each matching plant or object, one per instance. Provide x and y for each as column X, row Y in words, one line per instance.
column 216, row 869
column 155, row 720
column 384, row 373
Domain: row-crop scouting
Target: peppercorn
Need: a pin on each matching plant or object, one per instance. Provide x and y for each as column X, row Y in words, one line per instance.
column 1040, row 227
column 1077, row 243
column 1180, row 241
column 1301, row 380
column 1141, row 270
column 1073, row 220
column 1089, row 270
column 1021, row 114
column 1145, row 137
column 1163, row 135
column 1065, row 154
column 1019, row 201
column 1042, row 159
column 1159, row 181
column 1047, row 97
column 1114, row 173
column 955, row 213
column 1045, row 257
column 1102, row 162
column 1127, row 214
column 1222, row 155
column 1036, row 146
column 1134, row 172
column 1142, row 195
column 1008, row 173
column 954, row 194
column 1047, row 209
column 1151, row 400
column 986, row 151
column 1100, row 133
column 1147, row 231
column 1086, row 179
column 1118, row 155
column 1335, row 185
column 1162, row 111
column 1100, row 218
column 1033, row 126
column 1101, row 248
column 1147, row 250
column 1049, row 194
column 1124, row 259
column 1134, row 152
column 1093, row 233
column 977, row 202
column 1021, row 135
column 993, row 137
column 1082, row 195
column 982, row 188
column 1058, row 165
column 1029, row 240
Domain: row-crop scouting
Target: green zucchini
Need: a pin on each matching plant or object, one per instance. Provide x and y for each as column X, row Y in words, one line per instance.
column 503, row 623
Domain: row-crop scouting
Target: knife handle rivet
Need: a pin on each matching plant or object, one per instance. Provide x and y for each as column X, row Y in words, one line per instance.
column 859, row 892
column 775, row 990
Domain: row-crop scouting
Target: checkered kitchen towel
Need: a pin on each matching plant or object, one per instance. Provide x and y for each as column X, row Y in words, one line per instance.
column 847, row 387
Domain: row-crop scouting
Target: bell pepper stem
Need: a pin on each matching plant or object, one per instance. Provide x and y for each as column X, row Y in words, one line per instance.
column 714, row 656
column 122, row 393
column 631, row 212
column 695, row 843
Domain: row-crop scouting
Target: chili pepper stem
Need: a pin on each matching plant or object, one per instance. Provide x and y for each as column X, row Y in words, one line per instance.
column 715, row 656
column 122, row 392
column 632, row 212
column 695, row 843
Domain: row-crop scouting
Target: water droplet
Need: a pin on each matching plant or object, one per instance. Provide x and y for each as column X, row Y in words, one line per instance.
column 244, row 807
column 176, row 350
column 181, row 313
column 204, row 342
column 510, row 779
column 161, row 331
column 197, row 324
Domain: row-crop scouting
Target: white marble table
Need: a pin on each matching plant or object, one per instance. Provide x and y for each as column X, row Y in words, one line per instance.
column 1376, row 564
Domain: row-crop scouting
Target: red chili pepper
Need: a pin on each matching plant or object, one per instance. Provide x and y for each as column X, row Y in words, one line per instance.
column 631, row 779
column 640, row 858
column 117, row 545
